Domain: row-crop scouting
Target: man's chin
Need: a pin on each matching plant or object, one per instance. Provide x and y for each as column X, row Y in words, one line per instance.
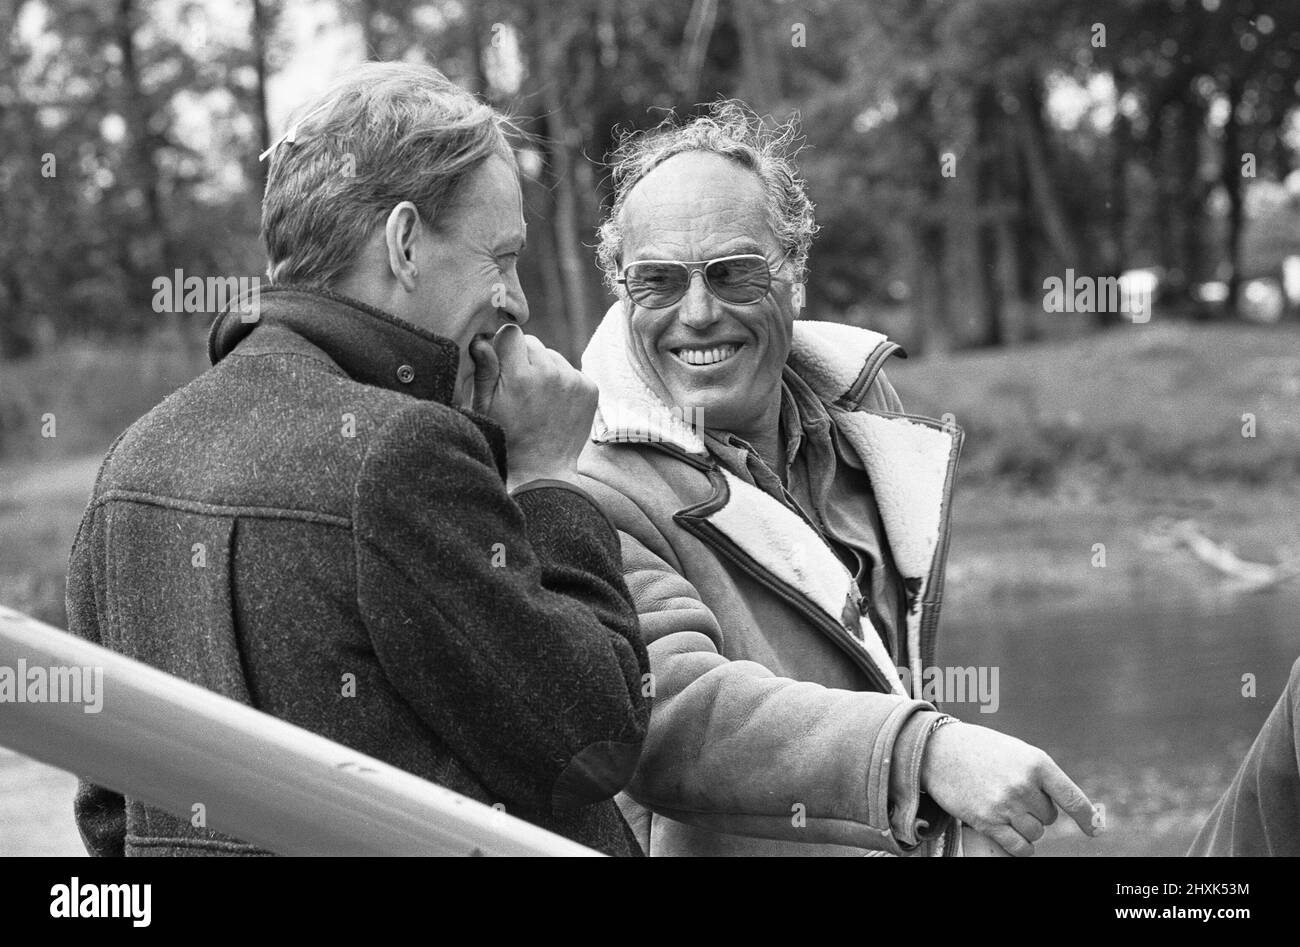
column 705, row 407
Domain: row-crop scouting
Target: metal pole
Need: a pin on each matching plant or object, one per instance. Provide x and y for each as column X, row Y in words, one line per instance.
column 175, row 745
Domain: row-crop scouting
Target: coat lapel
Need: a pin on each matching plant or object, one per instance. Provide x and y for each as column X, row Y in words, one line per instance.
column 760, row 533
column 910, row 464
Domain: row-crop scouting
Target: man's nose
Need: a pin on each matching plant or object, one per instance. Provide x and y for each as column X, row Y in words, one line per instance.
column 515, row 307
column 697, row 307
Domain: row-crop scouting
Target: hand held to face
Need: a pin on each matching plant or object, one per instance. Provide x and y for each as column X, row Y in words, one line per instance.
column 544, row 405
column 1001, row 786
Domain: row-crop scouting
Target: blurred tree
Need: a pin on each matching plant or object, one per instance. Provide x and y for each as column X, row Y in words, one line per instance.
column 960, row 152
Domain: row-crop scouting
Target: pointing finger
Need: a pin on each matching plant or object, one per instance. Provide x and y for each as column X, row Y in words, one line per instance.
column 1070, row 798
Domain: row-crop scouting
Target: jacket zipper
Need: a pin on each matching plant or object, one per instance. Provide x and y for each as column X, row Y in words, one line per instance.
column 834, row 630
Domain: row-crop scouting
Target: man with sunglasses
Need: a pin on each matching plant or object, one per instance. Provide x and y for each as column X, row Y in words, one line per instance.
column 784, row 530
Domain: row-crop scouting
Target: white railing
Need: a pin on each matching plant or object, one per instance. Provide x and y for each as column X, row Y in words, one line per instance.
column 177, row 746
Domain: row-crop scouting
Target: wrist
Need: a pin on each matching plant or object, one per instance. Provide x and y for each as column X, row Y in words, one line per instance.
column 933, row 753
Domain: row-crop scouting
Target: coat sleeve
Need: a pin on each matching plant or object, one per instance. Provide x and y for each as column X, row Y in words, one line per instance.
column 504, row 622
column 100, row 812
column 734, row 748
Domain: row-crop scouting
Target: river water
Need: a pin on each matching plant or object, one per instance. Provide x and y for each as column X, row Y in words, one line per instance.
column 1143, row 706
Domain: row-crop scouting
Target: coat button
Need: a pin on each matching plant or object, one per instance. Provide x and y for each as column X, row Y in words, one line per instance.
column 405, row 374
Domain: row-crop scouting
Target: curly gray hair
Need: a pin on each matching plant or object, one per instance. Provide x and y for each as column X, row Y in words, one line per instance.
column 732, row 129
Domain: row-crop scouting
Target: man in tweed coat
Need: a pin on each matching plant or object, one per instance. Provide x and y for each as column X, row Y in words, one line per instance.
column 365, row 518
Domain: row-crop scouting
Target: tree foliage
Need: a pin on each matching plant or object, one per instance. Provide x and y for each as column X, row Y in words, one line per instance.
column 958, row 151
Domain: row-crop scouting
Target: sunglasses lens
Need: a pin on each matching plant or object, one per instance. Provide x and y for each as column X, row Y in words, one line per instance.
column 656, row 285
column 741, row 280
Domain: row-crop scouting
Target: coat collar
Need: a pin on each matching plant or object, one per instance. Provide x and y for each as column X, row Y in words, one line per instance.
column 830, row 358
column 372, row 346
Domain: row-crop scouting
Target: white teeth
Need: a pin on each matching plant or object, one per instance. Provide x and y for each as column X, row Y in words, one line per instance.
column 719, row 353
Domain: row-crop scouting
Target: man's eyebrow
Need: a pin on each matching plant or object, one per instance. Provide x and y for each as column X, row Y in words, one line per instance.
column 729, row 247
column 741, row 245
column 656, row 252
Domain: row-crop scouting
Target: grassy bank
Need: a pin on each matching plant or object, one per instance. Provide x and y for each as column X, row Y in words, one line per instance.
column 59, row 412
column 1107, row 440
column 90, row 391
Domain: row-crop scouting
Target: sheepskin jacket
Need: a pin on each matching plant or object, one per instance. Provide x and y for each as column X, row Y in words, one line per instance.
column 781, row 724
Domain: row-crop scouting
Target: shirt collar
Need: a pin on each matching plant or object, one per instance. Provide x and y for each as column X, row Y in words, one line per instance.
column 803, row 416
column 804, row 424
column 372, row 346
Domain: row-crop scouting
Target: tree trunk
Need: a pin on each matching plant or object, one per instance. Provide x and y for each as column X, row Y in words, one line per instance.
column 1032, row 134
column 1117, row 256
column 1167, row 206
column 563, row 144
column 1230, row 176
column 480, row 33
column 1192, row 197
column 988, row 217
column 695, row 44
column 760, row 83
column 931, row 287
column 261, row 25
column 152, row 235
column 369, row 35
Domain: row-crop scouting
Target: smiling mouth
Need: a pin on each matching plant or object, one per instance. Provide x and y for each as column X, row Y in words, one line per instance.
column 713, row 355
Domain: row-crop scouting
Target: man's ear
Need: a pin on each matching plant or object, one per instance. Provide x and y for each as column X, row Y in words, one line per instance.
column 402, row 231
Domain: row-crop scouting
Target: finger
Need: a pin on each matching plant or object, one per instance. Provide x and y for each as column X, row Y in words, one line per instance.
column 1040, row 806
column 1012, row 841
column 536, row 350
column 487, row 370
column 511, row 348
column 1028, row 826
column 1070, row 798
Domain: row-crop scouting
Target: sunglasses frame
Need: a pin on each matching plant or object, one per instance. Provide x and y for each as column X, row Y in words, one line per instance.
column 703, row 267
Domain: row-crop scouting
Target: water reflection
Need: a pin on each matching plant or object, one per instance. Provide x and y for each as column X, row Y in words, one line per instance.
column 1142, row 705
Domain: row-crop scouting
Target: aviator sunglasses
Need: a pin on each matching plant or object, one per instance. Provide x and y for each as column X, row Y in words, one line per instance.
column 741, row 280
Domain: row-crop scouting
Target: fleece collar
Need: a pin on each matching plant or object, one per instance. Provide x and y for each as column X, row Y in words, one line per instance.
column 830, row 358
column 372, row 346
